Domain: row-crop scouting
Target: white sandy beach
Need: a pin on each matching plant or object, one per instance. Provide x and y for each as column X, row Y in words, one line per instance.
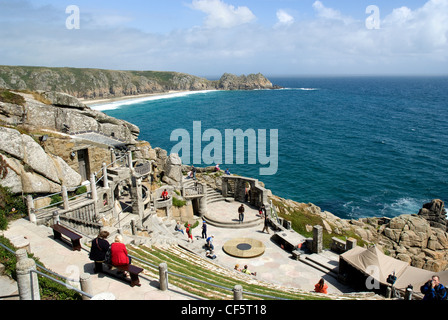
column 111, row 103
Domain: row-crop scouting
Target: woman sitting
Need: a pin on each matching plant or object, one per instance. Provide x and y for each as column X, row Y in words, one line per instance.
column 321, row 286
column 119, row 253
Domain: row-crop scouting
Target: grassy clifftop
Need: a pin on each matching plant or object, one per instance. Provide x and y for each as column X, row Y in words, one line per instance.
column 101, row 83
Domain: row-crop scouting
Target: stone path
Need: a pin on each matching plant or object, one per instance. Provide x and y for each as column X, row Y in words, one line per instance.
column 58, row 257
column 275, row 265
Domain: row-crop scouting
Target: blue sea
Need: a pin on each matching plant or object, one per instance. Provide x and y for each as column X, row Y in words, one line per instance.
column 355, row 146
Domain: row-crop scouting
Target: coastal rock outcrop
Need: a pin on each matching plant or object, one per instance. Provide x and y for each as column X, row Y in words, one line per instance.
column 412, row 238
column 99, row 83
column 74, row 117
column 435, row 213
column 254, row 81
column 29, row 168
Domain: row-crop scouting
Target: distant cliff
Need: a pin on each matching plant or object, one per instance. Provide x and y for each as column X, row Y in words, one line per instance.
column 101, row 83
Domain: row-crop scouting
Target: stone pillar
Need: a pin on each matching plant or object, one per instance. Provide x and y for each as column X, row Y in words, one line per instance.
column 133, row 227
column 94, row 193
column 137, row 197
column 65, row 197
column 113, row 158
column 350, row 243
column 224, row 187
column 30, row 206
column 86, row 285
column 105, row 181
column 317, row 239
column 21, row 254
column 237, row 292
column 202, row 206
column 27, row 281
column 130, row 159
column 163, row 276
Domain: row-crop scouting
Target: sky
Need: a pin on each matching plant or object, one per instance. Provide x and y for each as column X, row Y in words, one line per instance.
column 210, row 37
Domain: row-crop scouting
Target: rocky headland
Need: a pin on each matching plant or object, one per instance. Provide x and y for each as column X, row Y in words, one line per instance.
column 37, row 157
column 92, row 84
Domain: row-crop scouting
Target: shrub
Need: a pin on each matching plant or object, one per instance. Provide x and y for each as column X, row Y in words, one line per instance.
column 178, row 203
column 11, row 207
column 81, row 190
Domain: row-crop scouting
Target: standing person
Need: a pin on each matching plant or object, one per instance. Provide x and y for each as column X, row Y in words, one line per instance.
column 189, row 233
column 193, row 170
column 321, row 286
column 433, row 289
column 98, row 250
column 204, row 230
column 266, row 224
column 262, row 211
column 217, row 167
column 241, row 213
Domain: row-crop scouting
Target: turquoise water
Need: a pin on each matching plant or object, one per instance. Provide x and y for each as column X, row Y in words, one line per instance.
column 355, row 146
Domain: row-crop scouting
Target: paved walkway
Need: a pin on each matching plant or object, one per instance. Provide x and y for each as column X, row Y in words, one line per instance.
column 58, row 257
column 275, row 265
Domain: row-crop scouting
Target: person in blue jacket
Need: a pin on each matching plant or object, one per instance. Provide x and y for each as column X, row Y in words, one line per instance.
column 433, row 289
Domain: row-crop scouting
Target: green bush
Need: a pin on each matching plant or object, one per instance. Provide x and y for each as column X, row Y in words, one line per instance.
column 56, row 198
column 81, row 190
column 11, row 207
column 49, row 289
column 178, row 203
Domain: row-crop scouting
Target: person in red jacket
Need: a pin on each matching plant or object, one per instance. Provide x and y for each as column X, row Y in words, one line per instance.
column 321, row 286
column 165, row 195
column 119, row 253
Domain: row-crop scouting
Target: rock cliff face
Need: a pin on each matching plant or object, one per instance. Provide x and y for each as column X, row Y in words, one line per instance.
column 97, row 83
column 30, row 167
column 409, row 237
column 62, row 111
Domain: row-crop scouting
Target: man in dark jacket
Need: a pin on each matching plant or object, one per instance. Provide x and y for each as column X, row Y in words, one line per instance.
column 433, row 289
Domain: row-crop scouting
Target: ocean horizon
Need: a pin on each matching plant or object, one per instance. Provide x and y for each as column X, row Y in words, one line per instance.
column 358, row 146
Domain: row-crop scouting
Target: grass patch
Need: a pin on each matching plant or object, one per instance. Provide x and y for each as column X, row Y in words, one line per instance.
column 178, row 203
column 49, row 290
column 10, row 97
column 194, row 269
column 300, row 219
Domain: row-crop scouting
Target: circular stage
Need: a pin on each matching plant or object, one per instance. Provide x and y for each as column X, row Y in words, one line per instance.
column 244, row 248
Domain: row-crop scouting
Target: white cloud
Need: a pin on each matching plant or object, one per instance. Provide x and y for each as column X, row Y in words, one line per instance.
column 223, row 15
column 330, row 13
column 409, row 41
column 284, row 18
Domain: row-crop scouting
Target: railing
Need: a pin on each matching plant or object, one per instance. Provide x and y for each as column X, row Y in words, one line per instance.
column 196, row 190
column 143, row 169
column 57, row 281
column 123, row 160
column 48, row 277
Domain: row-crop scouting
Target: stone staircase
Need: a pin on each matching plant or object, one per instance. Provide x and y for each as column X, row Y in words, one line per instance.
column 213, row 195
